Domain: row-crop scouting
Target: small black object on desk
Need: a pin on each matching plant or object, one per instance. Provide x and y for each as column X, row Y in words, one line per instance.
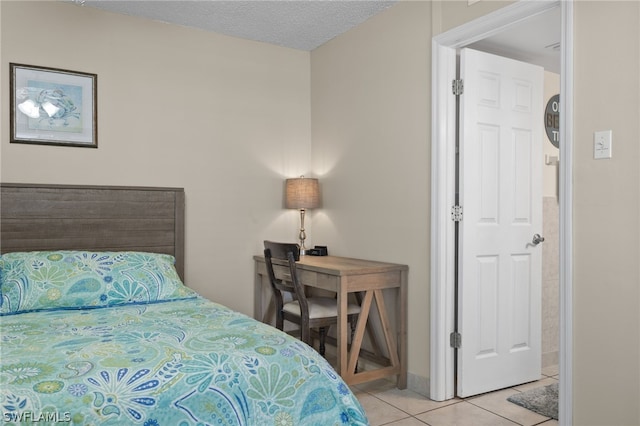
column 318, row 251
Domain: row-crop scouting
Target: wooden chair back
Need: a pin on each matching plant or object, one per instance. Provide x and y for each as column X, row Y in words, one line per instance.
column 286, row 255
column 289, row 253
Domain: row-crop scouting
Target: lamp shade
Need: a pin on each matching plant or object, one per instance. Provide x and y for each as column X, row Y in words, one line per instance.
column 302, row 193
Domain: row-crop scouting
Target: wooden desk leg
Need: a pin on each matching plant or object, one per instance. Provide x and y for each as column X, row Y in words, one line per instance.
column 402, row 332
column 356, row 343
column 342, row 364
column 370, row 331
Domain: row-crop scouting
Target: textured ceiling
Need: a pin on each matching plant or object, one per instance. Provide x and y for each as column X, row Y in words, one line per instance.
column 298, row 24
column 307, row 24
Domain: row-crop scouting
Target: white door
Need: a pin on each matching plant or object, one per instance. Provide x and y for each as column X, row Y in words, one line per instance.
column 499, row 275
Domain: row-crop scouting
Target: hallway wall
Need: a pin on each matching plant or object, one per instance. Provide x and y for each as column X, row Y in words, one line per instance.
column 550, row 282
column 606, row 215
column 550, row 247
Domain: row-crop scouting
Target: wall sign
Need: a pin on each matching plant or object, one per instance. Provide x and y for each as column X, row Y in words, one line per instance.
column 552, row 120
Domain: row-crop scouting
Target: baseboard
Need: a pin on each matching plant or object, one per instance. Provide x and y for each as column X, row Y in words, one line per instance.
column 418, row 384
column 550, row 359
column 415, row 383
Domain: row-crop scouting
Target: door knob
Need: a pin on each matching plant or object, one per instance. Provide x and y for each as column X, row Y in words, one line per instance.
column 537, row 239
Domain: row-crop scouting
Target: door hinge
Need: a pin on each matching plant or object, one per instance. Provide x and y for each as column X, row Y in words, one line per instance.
column 458, row 87
column 455, row 340
column 456, row 213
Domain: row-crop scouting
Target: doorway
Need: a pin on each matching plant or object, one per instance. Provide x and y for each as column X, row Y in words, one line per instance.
column 443, row 190
column 499, row 252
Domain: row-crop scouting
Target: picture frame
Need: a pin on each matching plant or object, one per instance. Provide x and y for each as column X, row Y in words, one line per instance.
column 52, row 106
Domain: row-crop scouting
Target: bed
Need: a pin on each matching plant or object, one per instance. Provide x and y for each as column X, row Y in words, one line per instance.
column 97, row 327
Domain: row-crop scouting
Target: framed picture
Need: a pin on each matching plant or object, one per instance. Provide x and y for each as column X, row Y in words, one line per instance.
column 51, row 106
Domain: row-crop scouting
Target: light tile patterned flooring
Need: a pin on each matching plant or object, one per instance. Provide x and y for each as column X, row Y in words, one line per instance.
column 387, row 405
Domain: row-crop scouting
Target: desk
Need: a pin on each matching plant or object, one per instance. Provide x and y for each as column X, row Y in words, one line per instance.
column 367, row 279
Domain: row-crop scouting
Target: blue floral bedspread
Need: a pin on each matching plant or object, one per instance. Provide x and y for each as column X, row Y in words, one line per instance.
column 178, row 362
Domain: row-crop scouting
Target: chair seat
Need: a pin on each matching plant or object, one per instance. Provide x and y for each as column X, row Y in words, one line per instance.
column 320, row 307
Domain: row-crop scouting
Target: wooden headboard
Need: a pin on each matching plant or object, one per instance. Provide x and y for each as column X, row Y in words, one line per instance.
column 99, row 218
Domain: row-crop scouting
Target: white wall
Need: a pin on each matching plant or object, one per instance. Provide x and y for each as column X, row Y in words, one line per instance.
column 227, row 119
column 550, row 248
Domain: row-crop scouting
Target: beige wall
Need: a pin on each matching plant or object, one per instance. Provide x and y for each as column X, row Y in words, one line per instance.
column 449, row 14
column 227, row 119
column 606, row 215
column 370, row 108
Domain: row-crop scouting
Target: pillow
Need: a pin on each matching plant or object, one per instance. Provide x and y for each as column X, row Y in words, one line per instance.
column 82, row 279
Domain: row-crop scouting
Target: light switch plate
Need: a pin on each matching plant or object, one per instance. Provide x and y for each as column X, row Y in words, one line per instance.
column 602, row 144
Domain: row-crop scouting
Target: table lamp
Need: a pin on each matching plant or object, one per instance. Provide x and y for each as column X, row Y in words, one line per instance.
column 302, row 194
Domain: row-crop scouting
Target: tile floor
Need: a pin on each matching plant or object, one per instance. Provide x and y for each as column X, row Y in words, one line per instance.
column 387, row 405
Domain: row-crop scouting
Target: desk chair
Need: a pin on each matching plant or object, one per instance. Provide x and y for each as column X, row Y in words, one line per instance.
column 307, row 312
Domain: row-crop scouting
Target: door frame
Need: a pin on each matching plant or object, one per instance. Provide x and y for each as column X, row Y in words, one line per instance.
column 443, row 132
